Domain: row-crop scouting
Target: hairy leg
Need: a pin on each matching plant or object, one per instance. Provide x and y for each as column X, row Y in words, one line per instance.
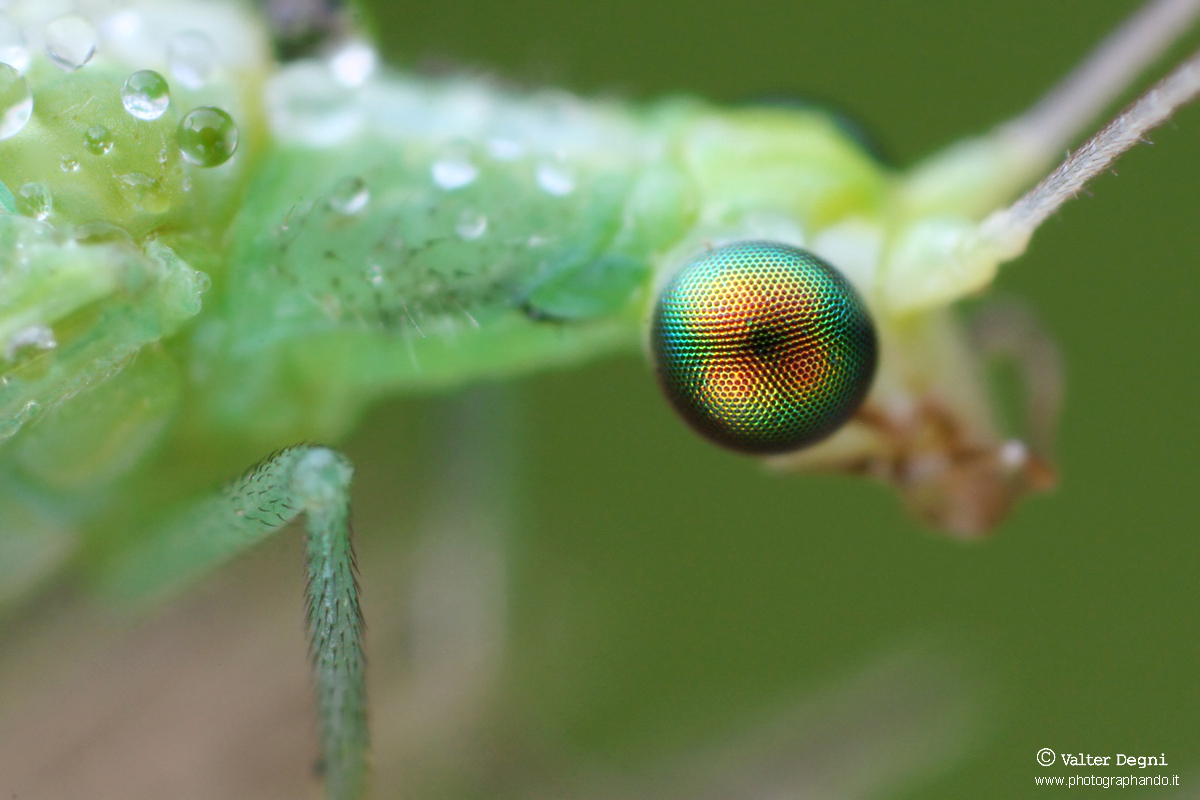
column 309, row 481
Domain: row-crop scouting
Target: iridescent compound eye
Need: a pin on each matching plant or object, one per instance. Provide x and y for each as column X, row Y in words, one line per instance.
column 763, row 347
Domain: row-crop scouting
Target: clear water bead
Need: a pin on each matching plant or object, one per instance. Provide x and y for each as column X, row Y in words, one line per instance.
column 554, row 179
column 70, row 41
column 30, row 338
column 147, row 192
column 146, row 95
column 123, row 25
column 13, row 49
column 353, row 63
column 308, row 103
column 471, row 225
column 16, row 102
column 192, row 57
column 350, row 196
column 454, row 172
column 90, row 233
column 69, row 163
column 505, row 149
column 33, row 200
column 207, row 136
column 98, row 140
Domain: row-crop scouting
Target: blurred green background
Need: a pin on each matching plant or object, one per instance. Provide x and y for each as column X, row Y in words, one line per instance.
column 569, row 595
column 664, row 594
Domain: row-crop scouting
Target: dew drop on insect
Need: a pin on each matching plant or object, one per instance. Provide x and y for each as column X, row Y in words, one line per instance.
column 201, row 281
column 16, row 102
column 763, row 347
column 123, row 25
column 554, row 179
column 307, row 103
column 69, row 163
column 70, row 41
column 13, row 49
column 192, row 58
column 98, row 140
column 30, row 338
column 505, row 149
column 33, row 200
column 375, row 274
column 471, row 225
column 147, row 192
column 16, row 421
column 207, row 136
column 350, row 196
column 98, row 232
column 145, row 95
column 454, row 172
column 353, row 63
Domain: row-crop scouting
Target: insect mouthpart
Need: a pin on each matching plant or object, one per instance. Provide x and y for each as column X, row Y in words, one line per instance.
column 763, row 347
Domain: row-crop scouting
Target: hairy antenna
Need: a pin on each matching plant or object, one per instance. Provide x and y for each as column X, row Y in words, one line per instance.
column 1009, row 229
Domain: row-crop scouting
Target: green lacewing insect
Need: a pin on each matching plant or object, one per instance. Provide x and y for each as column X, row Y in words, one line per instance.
column 351, row 270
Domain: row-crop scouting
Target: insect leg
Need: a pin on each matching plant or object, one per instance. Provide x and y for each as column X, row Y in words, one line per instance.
column 305, row 480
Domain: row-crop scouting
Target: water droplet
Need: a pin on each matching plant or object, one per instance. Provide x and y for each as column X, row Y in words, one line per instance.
column 13, row 49
column 375, row 275
column 202, row 282
column 69, row 163
column 192, row 57
column 207, row 136
column 554, row 179
column 102, row 233
column 353, row 63
column 36, row 337
column 70, row 41
column 146, row 95
column 16, row 102
column 454, row 172
column 27, row 412
column 147, row 192
column 505, row 149
column 123, row 25
column 307, row 103
column 471, row 225
column 98, row 140
column 350, row 196
column 33, row 200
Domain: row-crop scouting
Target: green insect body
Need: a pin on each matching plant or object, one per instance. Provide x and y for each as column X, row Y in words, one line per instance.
column 540, row 257
column 404, row 235
column 177, row 300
